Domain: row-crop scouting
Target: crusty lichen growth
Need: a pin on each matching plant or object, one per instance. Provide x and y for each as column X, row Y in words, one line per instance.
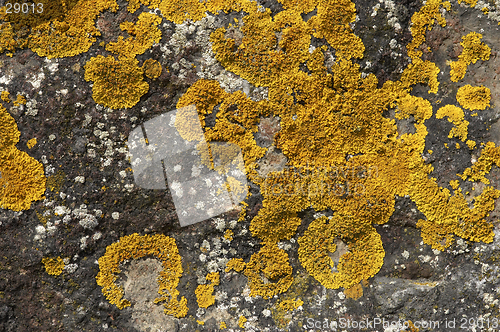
column 72, row 35
column 117, row 84
column 5, row 96
column 151, row 68
column 332, row 118
column 236, row 264
column 473, row 50
column 456, row 116
column 145, row 33
column 290, row 305
column 423, row 20
column 474, row 97
column 205, row 293
column 364, row 259
column 269, row 272
column 53, row 266
column 241, row 321
column 355, row 292
column 490, row 155
column 135, row 247
column 22, row 178
column 31, row 143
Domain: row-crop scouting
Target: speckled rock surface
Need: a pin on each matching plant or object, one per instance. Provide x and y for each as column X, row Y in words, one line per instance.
column 91, row 200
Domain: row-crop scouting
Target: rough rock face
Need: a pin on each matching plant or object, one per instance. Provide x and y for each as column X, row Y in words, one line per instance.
column 367, row 134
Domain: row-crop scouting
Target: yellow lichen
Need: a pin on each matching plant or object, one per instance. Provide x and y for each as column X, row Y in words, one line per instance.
column 53, row 266
column 222, row 325
column 204, row 293
column 22, row 178
column 20, row 100
column 363, row 260
column 187, row 123
column 289, row 305
column 117, row 84
column 471, row 3
column 31, row 143
column 269, row 272
column 145, row 33
column 134, row 247
column 5, row 96
column 228, row 235
column 471, row 144
column 354, row 292
column 71, row 35
column 490, row 155
column 241, row 321
column 330, row 119
column 474, row 98
column 423, row 20
column 454, row 184
column 151, row 68
column 473, row 50
column 236, row 264
column 456, row 116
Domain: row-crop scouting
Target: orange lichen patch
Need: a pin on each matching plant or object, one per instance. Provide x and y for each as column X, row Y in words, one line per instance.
column 471, row 144
column 22, row 178
column 20, row 100
column 151, row 68
column 74, row 34
column 473, row 50
column 145, row 33
column 300, row 5
column 454, row 184
column 423, row 72
column 5, row 96
column 205, row 95
column 53, row 266
column 228, row 235
column 133, row 5
column 412, row 327
column 471, row 3
column 117, row 84
column 450, row 215
column 269, row 272
column 456, row 116
column 490, row 155
column 423, row 20
column 419, row 107
column 180, row 10
column 237, row 118
column 236, row 264
column 277, row 220
column 290, row 305
column 332, row 23
column 355, row 292
column 241, row 321
column 363, row 260
column 134, row 247
column 331, row 118
column 205, row 293
column 474, row 97
column 187, row 124
column 31, row 143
